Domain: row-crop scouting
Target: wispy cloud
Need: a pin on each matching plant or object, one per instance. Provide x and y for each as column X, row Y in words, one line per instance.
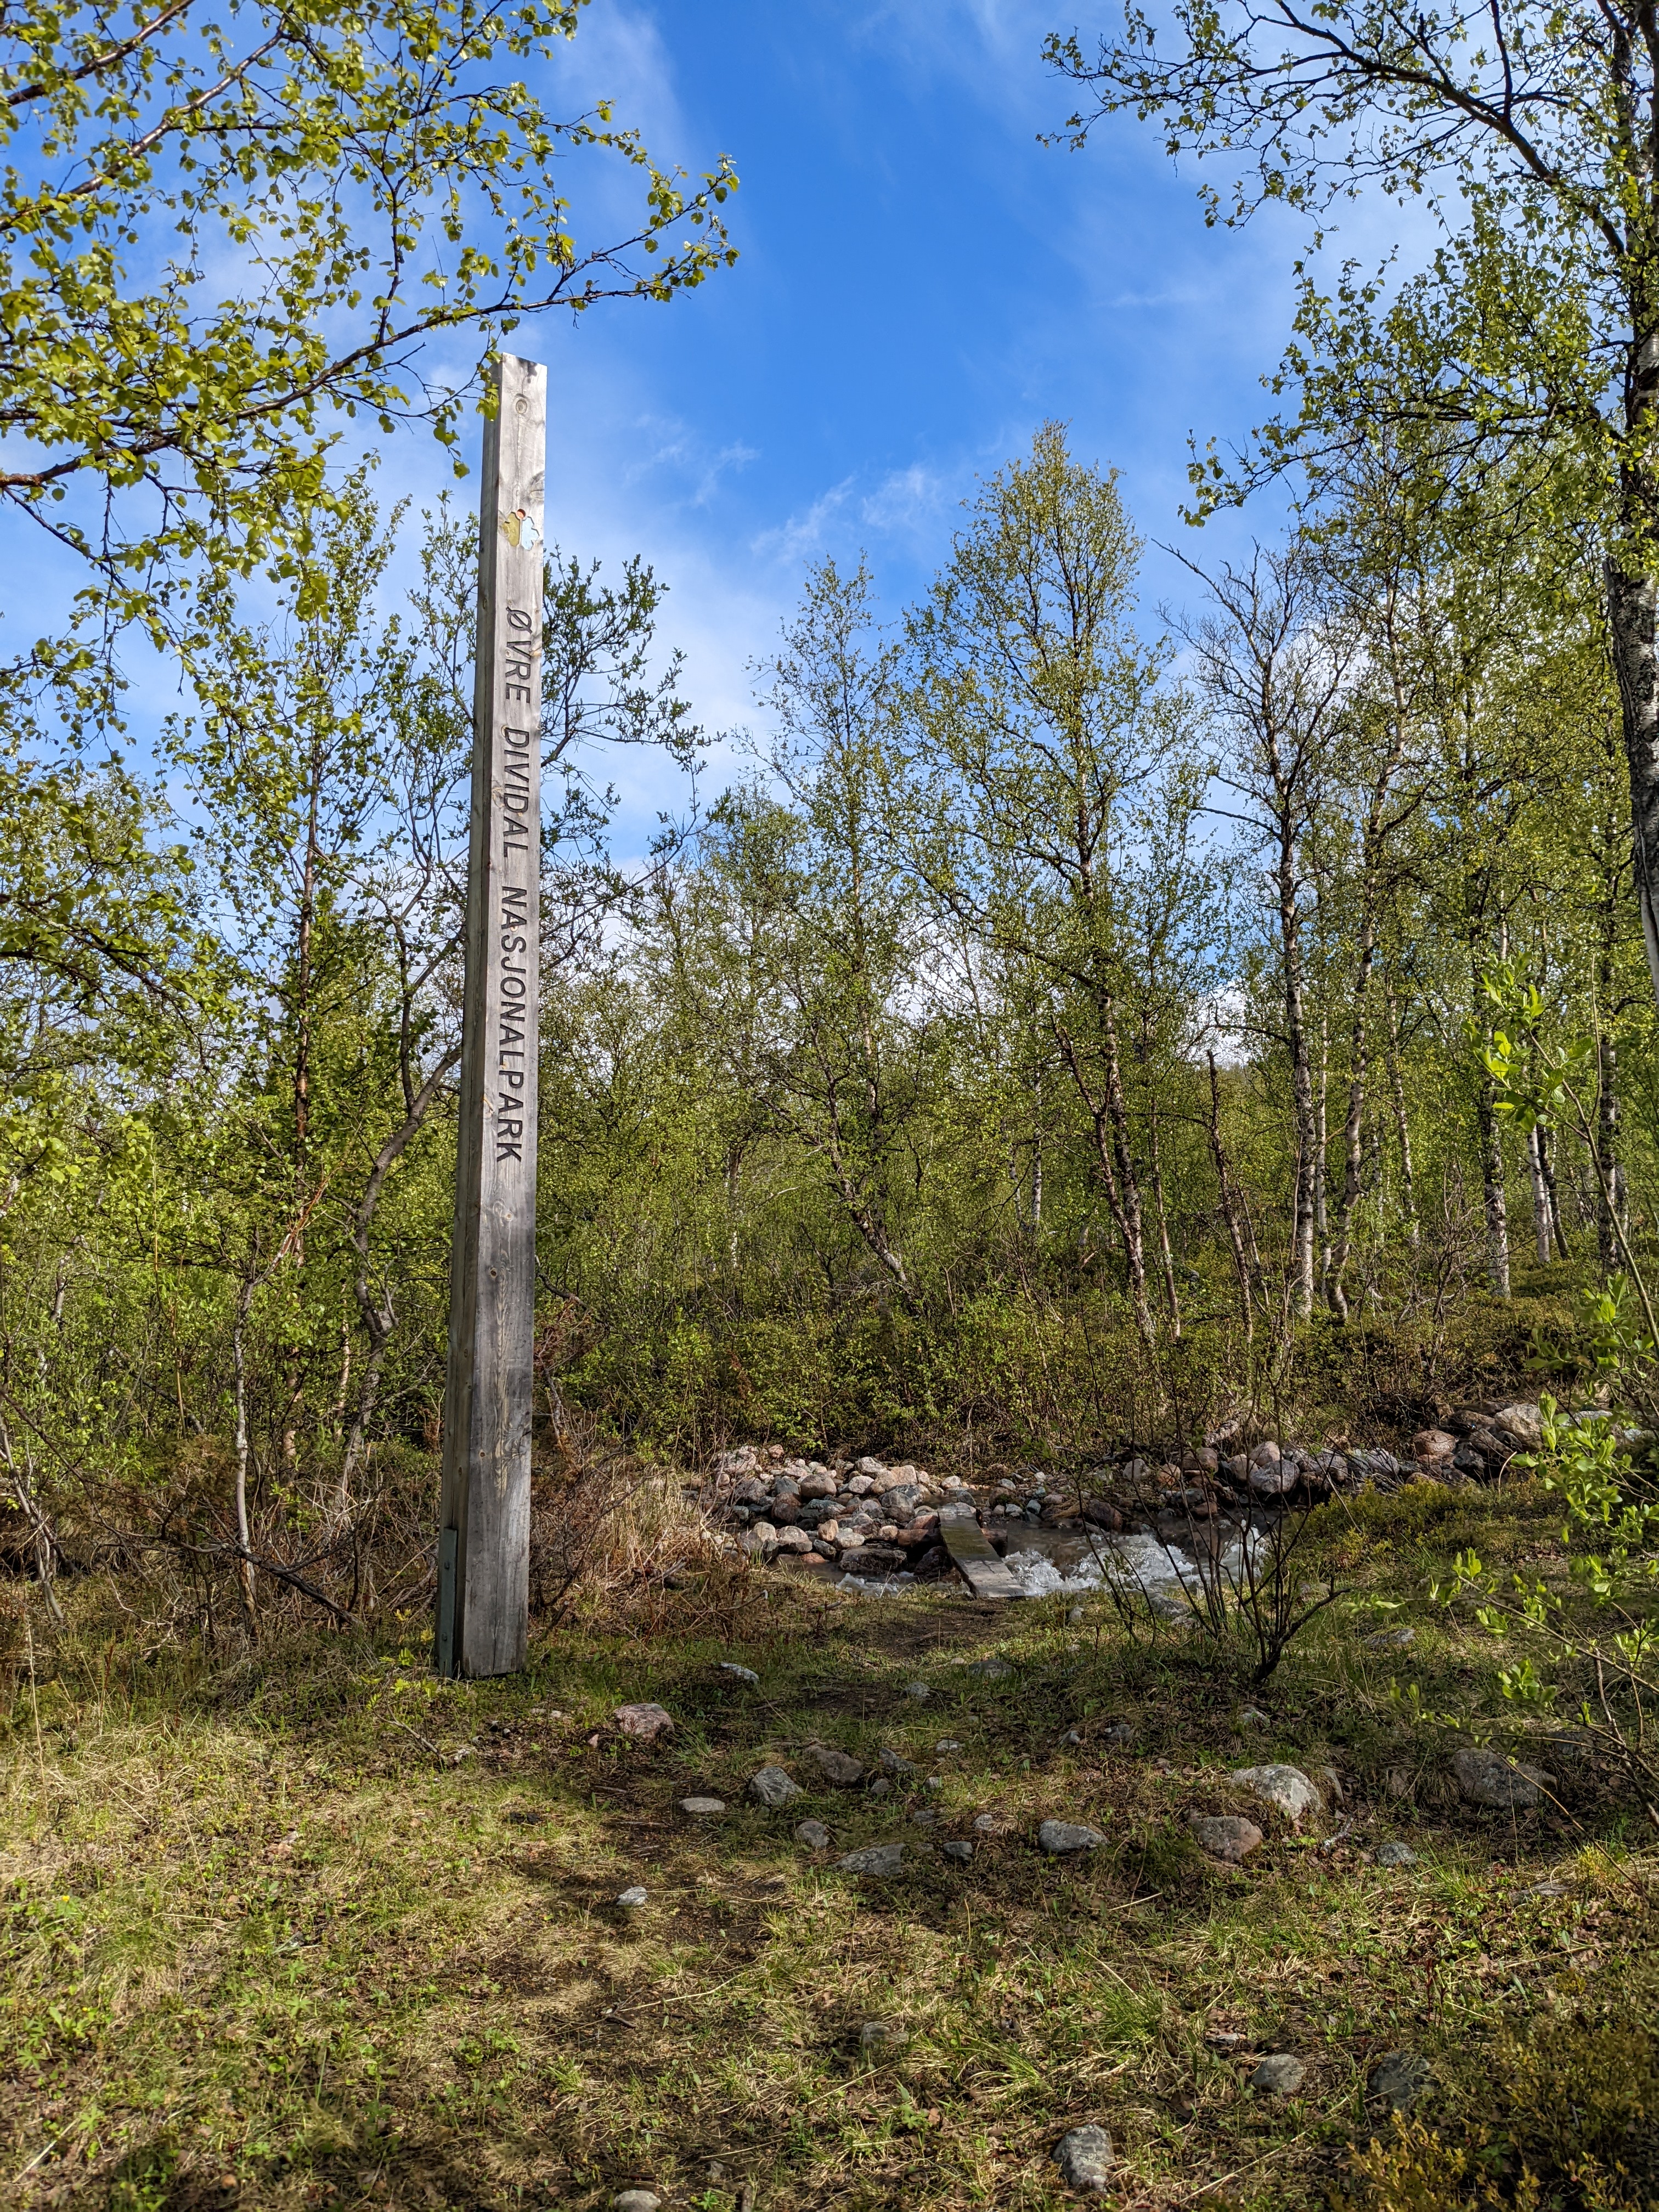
column 803, row 533
column 906, row 501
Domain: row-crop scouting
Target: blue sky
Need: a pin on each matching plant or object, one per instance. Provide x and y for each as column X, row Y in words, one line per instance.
column 921, row 284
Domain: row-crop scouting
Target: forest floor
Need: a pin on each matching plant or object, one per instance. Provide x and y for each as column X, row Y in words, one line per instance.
column 265, row 1946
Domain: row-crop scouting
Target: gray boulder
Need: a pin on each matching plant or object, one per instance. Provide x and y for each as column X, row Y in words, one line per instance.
column 814, row 1835
column 1400, row 2079
column 1486, row 1777
column 1085, row 2160
column 1287, row 1789
column 1061, row 1838
column 1280, row 2075
column 874, row 1859
column 772, row 1787
column 1225, row 1836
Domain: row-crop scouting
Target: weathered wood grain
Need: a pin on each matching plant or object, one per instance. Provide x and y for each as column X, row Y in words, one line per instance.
column 487, row 1403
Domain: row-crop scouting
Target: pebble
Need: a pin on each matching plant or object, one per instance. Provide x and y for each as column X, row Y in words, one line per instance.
column 958, row 1848
column 1285, row 1788
column 1280, row 2075
column 927, row 1818
column 1085, row 2160
column 883, row 2035
column 634, row 2200
column 1059, row 1838
column 1486, row 1777
column 1076, row 1617
column 646, row 1722
column 1395, row 1854
column 918, row 1690
column 773, row 1787
column 991, row 1670
column 874, row 1859
column 892, row 1762
column 703, row 1807
column 1390, row 1639
column 947, row 1743
column 1226, row 1837
column 743, row 1673
column 631, row 1897
column 836, row 1766
column 992, row 1824
column 881, row 1787
column 1119, row 1735
column 1400, row 2079
column 814, row 1835
column 1252, row 1717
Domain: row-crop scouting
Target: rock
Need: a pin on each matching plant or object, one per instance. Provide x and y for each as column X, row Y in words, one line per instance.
column 1267, row 1454
column 874, row 1859
column 793, row 1539
column 1100, row 1514
column 947, row 1743
column 1390, row 1639
column 881, row 1787
column 1251, row 1716
column 1085, row 2160
column 1395, row 1854
column 762, row 1535
column 993, row 1824
column 1398, row 1783
column 787, row 1510
column 1276, row 1480
column 1060, row 1838
column 742, row 1674
column 1285, row 1788
column 880, row 2035
column 1225, row 1836
column 900, row 1501
column 872, row 1467
column 772, row 1787
column 1522, row 1421
column 918, row 1690
column 1119, row 1734
column 633, row 1899
column 820, row 1484
column 991, row 1670
column 743, row 1460
column 1280, row 2075
column 958, row 1848
column 839, row 1767
column 814, row 1835
column 634, row 2200
column 1432, row 1444
column 1400, row 2079
column 892, row 1763
column 751, row 1491
column 703, row 1808
column 1486, row 1777
column 648, row 1723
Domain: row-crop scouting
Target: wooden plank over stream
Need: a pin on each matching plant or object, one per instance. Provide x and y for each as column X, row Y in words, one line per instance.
column 970, row 1552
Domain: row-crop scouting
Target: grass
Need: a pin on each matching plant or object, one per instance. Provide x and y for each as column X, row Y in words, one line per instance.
column 265, row 1945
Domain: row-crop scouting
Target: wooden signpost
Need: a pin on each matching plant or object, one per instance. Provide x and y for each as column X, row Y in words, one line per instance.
column 483, row 1543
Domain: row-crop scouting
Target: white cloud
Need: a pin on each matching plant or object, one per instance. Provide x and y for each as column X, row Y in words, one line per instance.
column 803, row 533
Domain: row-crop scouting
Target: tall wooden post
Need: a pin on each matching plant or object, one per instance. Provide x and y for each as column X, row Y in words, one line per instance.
column 483, row 1544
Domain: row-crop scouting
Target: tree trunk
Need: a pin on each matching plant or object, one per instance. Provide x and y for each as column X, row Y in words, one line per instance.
column 1109, row 1118
column 1540, row 1197
column 1302, row 1096
column 1610, row 1196
column 1402, row 1129
column 244, row 1451
column 1166, row 1256
column 1547, row 1169
column 1632, row 612
column 1246, row 1262
column 379, row 1317
column 1492, row 1180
